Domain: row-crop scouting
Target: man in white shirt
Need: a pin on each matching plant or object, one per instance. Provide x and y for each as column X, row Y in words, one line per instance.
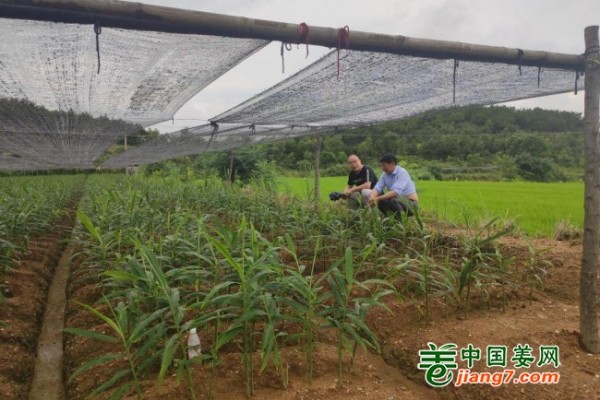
column 401, row 195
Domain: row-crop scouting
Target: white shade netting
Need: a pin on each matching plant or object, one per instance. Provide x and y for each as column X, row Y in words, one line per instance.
column 205, row 138
column 371, row 88
column 11, row 162
column 145, row 77
column 377, row 87
column 35, row 138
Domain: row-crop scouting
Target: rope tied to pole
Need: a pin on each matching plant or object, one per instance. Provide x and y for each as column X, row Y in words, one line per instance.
column 215, row 127
column 343, row 35
column 304, row 33
column 284, row 46
column 519, row 56
column 454, row 81
column 98, row 31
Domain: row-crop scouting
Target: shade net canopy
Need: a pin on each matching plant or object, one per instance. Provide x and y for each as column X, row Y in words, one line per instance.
column 371, row 88
column 144, row 78
column 205, row 138
column 32, row 137
column 377, row 87
column 13, row 162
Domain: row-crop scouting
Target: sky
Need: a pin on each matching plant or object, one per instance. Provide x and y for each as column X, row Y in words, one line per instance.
column 549, row 25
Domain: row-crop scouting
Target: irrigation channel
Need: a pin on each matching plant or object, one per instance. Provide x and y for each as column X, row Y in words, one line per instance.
column 48, row 374
column 48, row 379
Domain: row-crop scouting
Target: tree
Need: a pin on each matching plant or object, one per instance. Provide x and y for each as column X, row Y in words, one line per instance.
column 533, row 168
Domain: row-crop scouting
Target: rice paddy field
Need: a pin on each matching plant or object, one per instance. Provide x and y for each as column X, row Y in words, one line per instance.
column 534, row 208
column 289, row 301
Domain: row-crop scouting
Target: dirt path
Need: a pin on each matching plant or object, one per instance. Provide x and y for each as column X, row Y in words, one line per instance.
column 48, row 374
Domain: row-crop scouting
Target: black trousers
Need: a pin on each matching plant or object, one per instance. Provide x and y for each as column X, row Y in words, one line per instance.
column 398, row 205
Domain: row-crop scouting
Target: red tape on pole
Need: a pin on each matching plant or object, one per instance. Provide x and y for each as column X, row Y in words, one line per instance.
column 343, row 36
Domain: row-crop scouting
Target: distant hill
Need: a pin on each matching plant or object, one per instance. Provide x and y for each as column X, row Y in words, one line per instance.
column 490, row 143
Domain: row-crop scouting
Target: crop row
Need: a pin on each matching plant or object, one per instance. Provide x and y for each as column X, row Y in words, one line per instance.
column 28, row 207
column 255, row 271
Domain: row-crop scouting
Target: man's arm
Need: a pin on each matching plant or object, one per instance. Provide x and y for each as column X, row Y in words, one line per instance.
column 375, row 197
column 366, row 185
column 378, row 186
column 387, row 196
column 347, row 190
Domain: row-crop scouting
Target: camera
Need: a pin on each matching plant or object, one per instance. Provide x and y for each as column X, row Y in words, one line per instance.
column 335, row 196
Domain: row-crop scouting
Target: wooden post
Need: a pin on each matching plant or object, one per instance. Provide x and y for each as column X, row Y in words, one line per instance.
column 318, row 143
column 588, row 303
column 230, row 170
column 125, row 143
column 131, row 15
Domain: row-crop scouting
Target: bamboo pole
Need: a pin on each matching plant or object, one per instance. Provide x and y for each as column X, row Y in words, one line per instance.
column 126, row 15
column 318, row 144
column 230, row 171
column 588, row 303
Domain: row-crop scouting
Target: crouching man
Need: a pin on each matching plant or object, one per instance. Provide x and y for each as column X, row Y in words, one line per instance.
column 401, row 195
column 361, row 180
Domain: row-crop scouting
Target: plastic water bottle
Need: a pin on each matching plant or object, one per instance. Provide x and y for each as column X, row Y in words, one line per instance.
column 193, row 344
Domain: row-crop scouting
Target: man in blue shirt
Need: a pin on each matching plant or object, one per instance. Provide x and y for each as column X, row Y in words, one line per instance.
column 401, row 195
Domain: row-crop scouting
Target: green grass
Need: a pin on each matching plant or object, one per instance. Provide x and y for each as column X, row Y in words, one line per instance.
column 535, row 208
